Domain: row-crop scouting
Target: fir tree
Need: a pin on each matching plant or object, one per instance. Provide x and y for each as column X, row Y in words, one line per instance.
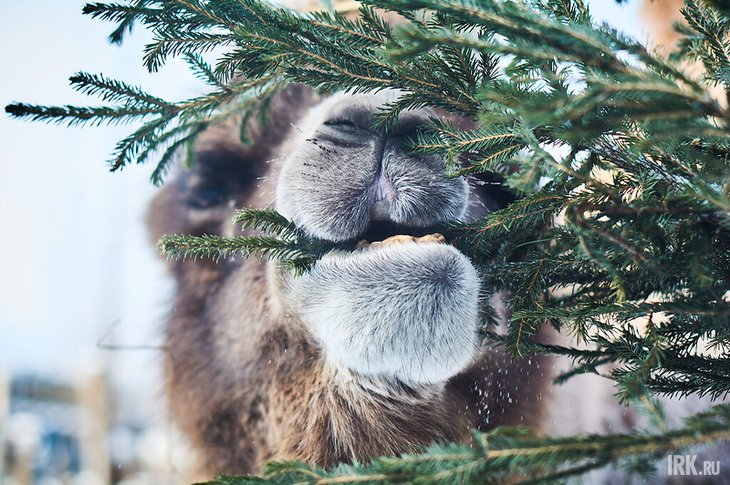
column 641, row 185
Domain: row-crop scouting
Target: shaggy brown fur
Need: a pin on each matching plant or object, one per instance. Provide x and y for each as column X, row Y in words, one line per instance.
column 247, row 381
column 660, row 16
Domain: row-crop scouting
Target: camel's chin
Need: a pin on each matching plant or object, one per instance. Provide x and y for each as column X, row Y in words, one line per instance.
column 405, row 308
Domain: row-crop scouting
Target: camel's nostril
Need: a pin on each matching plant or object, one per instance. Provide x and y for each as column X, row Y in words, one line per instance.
column 408, row 125
column 383, row 196
column 408, row 128
column 380, row 211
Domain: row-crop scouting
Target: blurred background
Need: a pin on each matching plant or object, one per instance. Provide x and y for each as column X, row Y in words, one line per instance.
column 83, row 294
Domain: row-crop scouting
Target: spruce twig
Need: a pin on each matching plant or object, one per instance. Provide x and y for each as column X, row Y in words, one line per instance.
column 504, row 454
column 660, row 216
column 282, row 241
column 620, row 159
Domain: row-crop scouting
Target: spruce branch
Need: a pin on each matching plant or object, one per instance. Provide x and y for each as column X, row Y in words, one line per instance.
column 174, row 125
column 173, row 44
column 278, row 239
column 632, row 114
column 205, row 71
column 266, row 220
column 219, row 247
column 620, row 158
column 505, row 454
column 75, row 115
column 113, row 91
column 124, row 15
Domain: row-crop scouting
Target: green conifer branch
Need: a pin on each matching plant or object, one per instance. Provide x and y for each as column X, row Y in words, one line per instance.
column 124, row 15
column 113, row 91
column 512, row 455
column 205, row 71
column 630, row 153
column 75, row 115
column 637, row 117
column 281, row 240
column 219, row 247
column 266, row 220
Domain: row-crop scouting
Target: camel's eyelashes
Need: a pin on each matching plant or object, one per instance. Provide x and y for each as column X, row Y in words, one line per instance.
column 345, row 126
column 340, row 123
